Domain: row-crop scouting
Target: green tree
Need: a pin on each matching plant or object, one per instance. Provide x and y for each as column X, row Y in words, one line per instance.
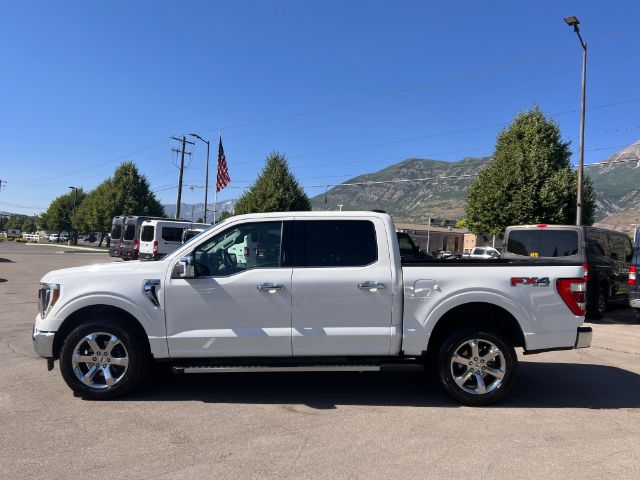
column 461, row 223
column 224, row 215
column 275, row 190
column 126, row 193
column 58, row 216
column 529, row 180
column 131, row 194
column 96, row 212
column 28, row 224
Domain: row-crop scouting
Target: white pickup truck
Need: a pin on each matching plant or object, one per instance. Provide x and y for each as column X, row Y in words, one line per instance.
column 314, row 291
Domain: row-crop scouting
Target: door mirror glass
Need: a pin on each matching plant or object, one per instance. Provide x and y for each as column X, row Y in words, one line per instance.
column 184, row 268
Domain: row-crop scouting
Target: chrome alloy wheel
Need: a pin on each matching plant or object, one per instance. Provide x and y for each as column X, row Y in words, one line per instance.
column 478, row 366
column 100, row 360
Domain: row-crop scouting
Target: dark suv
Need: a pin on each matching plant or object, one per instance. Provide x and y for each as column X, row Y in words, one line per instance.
column 634, row 286
column 605, row 254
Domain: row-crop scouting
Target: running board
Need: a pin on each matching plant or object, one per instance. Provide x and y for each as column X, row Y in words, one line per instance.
column 414, row 367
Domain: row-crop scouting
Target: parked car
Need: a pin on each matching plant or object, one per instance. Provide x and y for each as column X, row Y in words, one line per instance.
column 159, row 237
column 606, row 255
column 117, row 228
column 189, row 233
column 486, row 253
column 634, row 268
column 130, row 242
column 318, row 291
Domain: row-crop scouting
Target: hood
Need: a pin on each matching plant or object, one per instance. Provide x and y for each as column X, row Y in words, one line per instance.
column 104, row 269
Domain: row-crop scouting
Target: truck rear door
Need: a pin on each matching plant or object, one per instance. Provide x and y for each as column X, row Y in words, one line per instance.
column 342, row 288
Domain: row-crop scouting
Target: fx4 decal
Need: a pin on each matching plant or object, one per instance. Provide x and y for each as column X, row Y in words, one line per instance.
column 531, row 281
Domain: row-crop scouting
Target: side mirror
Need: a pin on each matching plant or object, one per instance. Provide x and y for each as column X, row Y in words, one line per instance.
column 184, row 268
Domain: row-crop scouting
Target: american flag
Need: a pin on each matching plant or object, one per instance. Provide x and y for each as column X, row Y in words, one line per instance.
column 223, row 172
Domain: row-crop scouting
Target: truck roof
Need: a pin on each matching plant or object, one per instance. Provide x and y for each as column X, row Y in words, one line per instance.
column 317, row 214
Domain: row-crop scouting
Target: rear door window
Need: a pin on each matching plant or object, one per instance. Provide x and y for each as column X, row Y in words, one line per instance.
column 620, row 247
column 543, row 243
column 597, row 243
column 116, row 231
column 130, row 231
column 147, row 233
column 339, row 243
column 172, row 234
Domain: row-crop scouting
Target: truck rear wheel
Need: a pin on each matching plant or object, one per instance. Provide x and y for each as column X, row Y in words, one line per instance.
column 101, row 360
column 477, row 366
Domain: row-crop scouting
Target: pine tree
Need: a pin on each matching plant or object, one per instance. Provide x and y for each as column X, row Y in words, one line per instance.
column 529, row 180
column 275, row 190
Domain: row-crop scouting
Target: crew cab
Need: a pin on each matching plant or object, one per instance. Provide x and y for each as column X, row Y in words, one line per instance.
column 307, row 291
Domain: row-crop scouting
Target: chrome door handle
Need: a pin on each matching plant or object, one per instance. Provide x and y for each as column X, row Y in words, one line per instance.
column 371, row 286
column 270, row 287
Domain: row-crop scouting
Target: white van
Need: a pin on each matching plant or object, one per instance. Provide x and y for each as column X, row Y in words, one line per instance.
column 159, row 237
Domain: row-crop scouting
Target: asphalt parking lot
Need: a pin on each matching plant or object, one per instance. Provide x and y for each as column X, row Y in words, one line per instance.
column 573, row 414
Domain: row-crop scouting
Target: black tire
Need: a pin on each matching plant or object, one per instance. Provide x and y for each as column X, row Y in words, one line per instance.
column 129, row 349
column 636, row 311
column 470, row 392
column 598, row 306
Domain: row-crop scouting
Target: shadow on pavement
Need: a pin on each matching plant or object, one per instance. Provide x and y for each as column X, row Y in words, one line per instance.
column 619, row 314
column 539, row 385
column 2, row 280
column 6, row 260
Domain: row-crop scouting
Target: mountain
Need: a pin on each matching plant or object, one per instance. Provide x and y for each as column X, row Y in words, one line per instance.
column 414, row 201
column 616, row 184
column 187, row 210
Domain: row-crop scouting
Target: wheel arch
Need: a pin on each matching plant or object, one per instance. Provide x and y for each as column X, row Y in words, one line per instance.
column 87, row 313
column 472, row 314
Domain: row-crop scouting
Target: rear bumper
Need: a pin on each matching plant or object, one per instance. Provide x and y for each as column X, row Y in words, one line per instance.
column 634, row 302
column 583, row 339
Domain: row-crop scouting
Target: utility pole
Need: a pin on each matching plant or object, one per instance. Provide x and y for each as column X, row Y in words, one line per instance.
column 182, row 154
column 206, row 177
column 2, row 182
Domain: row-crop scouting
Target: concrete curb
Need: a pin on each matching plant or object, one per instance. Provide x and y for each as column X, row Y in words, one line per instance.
column 70, row 247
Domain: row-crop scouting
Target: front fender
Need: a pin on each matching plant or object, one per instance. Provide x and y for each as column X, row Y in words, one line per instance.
column 150, row 318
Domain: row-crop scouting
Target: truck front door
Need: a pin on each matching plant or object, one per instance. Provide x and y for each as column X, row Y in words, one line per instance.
column 233, row 308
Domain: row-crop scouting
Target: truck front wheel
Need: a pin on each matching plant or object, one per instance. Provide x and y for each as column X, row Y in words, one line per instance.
column 101, row 360
column 476, row 366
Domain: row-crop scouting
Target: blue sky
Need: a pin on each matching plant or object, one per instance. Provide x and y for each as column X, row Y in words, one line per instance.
column 341, row 88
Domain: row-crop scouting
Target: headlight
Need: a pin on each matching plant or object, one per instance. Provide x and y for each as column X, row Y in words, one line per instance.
column 48, row 295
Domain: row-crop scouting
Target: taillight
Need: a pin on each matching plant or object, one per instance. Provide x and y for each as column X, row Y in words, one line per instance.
column 574, row 293
column 541, row 225
column 246, row 252
column 586, row 271
column 135, row 245
column 155, row 247
column 632, row 274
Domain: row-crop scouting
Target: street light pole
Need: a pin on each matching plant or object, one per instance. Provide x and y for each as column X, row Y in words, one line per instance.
column 574, row 22
column 206, row 178
column 74, row 241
